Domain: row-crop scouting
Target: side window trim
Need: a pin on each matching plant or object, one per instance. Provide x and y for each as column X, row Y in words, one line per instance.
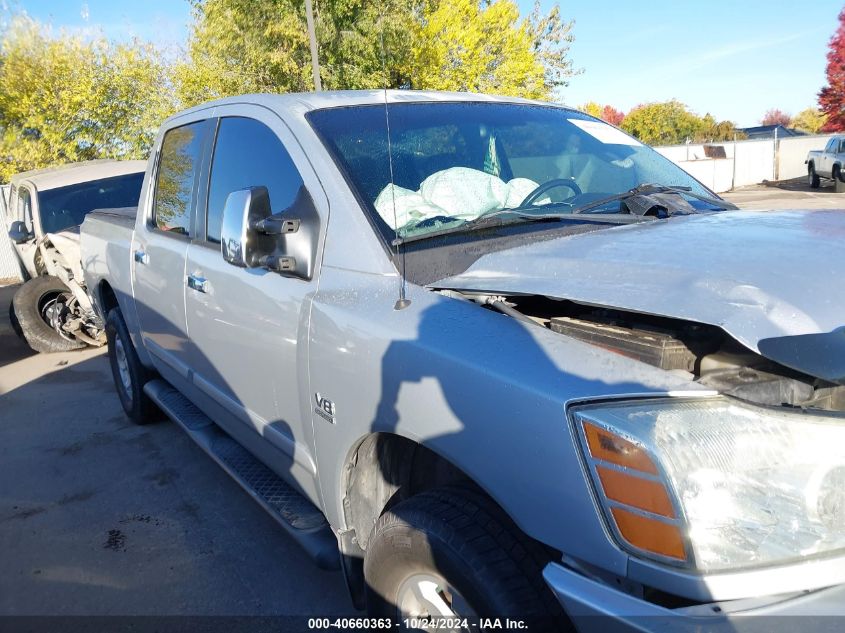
column 200, row 217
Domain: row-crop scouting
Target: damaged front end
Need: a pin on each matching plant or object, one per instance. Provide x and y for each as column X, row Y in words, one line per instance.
column 70, row 314
column 703, row 353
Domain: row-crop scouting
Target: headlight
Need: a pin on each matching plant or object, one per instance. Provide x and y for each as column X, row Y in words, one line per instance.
column 714, row 484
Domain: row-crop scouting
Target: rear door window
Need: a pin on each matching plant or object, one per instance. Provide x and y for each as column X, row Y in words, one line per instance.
column 176, row 181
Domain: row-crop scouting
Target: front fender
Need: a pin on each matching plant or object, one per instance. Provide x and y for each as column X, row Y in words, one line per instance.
column 482, row 390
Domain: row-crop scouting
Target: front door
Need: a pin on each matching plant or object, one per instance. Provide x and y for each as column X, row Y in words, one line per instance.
column 248, row 327
column 160, row 245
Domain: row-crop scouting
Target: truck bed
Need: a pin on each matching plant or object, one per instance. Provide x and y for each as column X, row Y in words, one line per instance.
column 105, row 239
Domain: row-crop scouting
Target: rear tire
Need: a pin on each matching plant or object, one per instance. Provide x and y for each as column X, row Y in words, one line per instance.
column 812, row 177
column 129, row 374
column 455, row 547
column 32, row 304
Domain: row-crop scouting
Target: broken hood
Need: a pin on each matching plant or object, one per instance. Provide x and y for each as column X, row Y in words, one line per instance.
column 774, row 281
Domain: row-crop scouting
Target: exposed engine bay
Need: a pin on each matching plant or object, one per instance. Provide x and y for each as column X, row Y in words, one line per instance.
column 704, row 352
column 70, row 314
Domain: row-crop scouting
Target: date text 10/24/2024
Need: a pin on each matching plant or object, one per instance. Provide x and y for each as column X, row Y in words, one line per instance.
column 427, row 623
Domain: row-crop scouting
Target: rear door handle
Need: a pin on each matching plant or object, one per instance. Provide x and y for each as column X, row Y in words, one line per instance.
column 141, row 257
column 200, row 284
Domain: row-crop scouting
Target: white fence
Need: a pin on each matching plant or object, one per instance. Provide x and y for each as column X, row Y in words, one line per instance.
column 746, row 162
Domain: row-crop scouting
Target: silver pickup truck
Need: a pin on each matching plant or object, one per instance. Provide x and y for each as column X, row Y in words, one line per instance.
column 492, row 357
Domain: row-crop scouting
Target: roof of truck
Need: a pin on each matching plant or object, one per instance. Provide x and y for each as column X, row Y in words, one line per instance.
column 52, row 177
column 308, row 101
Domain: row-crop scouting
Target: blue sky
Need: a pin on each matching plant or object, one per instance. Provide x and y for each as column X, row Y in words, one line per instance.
column 734, row 59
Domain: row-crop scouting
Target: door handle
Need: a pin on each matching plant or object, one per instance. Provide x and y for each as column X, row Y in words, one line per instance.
column 141, row 257
column 200, row 284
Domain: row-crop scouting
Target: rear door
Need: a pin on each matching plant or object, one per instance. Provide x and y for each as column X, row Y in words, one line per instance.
column 248, row 327
column 160, row 245
column 827, row 157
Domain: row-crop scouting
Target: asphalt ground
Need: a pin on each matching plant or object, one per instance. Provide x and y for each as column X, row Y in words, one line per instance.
column 102, row 517
column 788, row 194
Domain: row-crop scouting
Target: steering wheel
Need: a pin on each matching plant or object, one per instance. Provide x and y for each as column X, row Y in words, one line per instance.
column 569, row 183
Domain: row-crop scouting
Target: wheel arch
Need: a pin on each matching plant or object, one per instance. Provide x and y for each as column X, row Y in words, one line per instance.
column 382, row 469
column 107, row 299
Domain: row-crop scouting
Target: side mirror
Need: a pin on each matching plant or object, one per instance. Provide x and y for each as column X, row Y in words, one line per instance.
column 285, row 242
column 18, row 232
column 240, row 243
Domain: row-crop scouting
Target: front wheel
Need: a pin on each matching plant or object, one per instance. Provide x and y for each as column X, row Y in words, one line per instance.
column 40, row 306
column 447, row 553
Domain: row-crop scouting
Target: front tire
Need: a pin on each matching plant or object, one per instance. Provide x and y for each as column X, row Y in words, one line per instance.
column 36, row 304
column 448, row 552
column 129, row 374
column 812, row 177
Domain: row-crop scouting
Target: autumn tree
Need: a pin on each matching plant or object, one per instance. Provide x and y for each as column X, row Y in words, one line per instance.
column 606, row 113
column 612, row 115
column 239, row 46
column 810, row 120
column 832, row 96
column 65, row 99
column 775, row 116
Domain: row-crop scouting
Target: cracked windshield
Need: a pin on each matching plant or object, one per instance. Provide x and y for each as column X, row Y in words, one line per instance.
column 453, row 163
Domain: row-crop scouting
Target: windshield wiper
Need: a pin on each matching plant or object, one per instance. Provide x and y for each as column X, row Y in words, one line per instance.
column 647, row 189
column 507, row 217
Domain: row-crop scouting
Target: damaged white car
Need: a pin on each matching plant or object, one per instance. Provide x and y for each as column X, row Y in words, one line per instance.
column 51, row 309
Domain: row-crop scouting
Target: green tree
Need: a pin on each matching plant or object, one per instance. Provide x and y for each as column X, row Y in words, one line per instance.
column 810, row 120
column 666, row 123
column 239, row 46
column 467, row 46
column 672, row 123
column 714, row 131
column 592, row 108
column 65, row 99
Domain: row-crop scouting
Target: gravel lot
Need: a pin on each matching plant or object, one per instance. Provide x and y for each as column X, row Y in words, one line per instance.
column 101, row 517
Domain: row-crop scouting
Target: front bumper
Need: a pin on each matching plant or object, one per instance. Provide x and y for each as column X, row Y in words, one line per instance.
column 594, row 606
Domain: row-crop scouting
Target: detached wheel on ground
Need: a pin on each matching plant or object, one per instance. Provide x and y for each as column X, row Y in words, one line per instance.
column 129, row 374
column 38, row 306
column 812, row 177
column 450, row 553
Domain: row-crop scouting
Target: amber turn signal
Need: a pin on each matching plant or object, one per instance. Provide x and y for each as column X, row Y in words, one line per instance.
column 608, row 447
column 638, row 503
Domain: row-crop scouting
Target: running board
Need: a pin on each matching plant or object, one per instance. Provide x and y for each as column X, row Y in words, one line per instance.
column 297, row 515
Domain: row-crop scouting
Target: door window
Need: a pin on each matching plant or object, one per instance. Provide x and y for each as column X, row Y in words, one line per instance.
column 179, row 162
column 247, row 153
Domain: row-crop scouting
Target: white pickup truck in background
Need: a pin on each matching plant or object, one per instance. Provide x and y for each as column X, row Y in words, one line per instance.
column 827, row 163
